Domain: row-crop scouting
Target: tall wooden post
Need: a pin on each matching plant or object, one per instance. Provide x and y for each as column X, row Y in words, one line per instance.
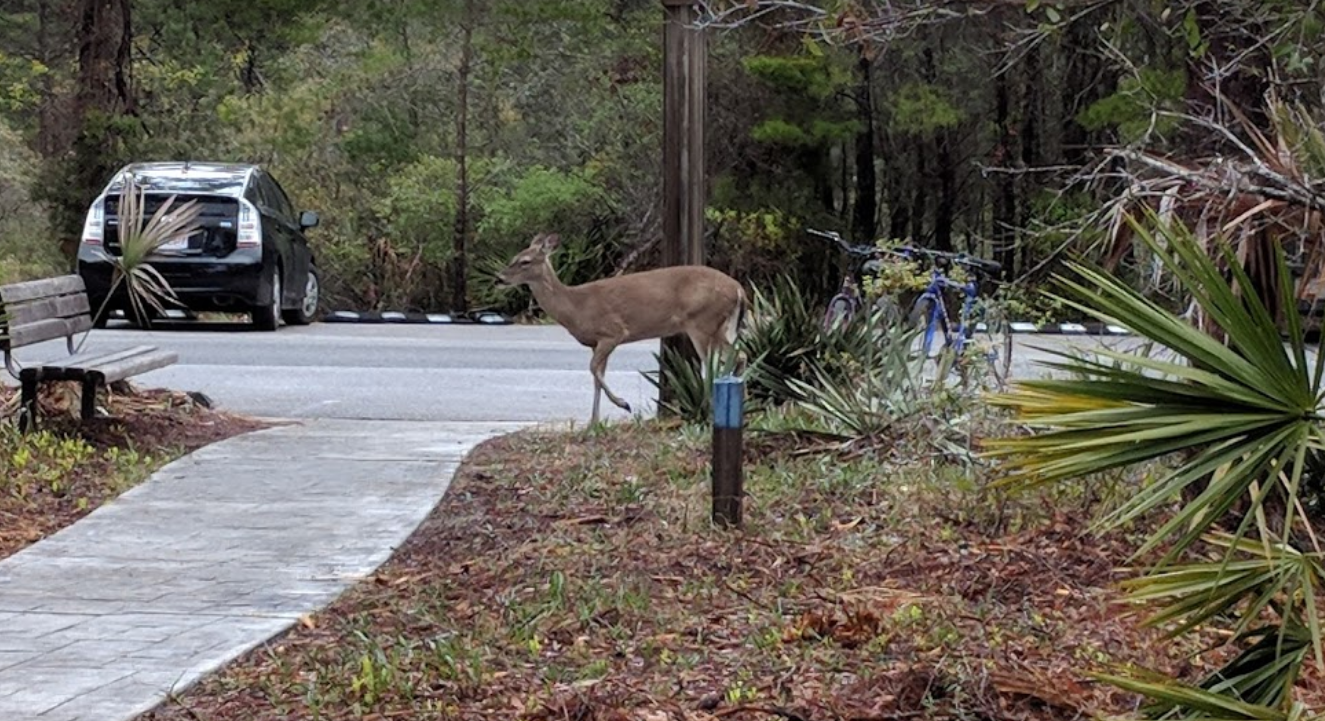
column 685, row 62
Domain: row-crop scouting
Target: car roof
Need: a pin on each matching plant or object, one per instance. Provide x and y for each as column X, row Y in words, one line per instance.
column 187, row 177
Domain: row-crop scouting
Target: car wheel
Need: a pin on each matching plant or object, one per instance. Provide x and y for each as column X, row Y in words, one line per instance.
column 307, row 310
column 268, row 317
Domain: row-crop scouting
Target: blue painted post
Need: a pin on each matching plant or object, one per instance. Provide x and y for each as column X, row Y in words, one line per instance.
column 728, row 473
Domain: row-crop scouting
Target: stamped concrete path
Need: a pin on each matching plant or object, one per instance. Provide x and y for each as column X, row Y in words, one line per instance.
column 213, row 555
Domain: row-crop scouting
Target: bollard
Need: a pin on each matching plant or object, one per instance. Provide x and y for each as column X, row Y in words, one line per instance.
column 728, row 473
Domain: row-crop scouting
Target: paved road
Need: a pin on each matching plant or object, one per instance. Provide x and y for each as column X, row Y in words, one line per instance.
column 389, row 372
column 413, row 372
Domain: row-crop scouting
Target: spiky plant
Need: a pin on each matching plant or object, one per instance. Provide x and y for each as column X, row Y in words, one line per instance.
column 1239, row 416
column 691, row 384
column 141, row 238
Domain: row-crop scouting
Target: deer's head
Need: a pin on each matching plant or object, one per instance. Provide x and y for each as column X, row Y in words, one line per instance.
column 530, row 264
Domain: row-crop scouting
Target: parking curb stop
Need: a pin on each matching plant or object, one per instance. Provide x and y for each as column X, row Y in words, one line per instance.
column 483, row 317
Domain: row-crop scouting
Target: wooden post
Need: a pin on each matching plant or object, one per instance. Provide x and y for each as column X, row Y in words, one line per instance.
column 685, row 62
column 728, row 454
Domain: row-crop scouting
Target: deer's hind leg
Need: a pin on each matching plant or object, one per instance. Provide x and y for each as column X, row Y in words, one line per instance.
column 598, row 366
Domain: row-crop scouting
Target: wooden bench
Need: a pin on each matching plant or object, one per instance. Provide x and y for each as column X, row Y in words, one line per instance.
column 44, row 310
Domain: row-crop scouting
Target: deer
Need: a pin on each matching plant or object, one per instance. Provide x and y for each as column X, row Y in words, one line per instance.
column 699, row 302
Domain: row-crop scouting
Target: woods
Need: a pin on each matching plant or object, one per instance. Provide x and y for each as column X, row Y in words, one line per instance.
column 436, row 138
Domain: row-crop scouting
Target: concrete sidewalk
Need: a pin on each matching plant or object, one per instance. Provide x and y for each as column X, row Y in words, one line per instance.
column 213, row 555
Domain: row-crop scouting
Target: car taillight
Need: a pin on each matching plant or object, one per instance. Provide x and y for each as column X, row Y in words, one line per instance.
column 94, row 227
column 250, row 226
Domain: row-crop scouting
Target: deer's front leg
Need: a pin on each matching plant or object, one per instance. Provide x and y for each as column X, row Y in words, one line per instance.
column 597, row 366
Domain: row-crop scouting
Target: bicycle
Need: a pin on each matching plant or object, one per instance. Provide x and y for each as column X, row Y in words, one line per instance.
column 847, row 302
column 975, row 317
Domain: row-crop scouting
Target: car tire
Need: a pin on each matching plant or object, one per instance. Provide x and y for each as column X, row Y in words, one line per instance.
column 268, row 317
column 308, row 303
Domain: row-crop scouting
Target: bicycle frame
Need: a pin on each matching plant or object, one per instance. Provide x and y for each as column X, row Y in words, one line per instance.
column 938, row 313
column 848, row 291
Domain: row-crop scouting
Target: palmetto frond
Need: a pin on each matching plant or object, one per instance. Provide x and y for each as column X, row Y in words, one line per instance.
column 1246, row 411
column 142, row 238
column 1239, row 410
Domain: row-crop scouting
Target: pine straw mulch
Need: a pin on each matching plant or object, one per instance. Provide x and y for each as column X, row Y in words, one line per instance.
column 577, row 578
column 51, row 479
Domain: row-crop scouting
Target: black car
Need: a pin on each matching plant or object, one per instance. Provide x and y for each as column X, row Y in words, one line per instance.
column 249, row 256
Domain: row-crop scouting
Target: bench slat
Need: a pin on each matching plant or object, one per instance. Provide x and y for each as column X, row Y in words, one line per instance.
column 109, row 366
column 46, row 330
column 67, row 306
column 45, row 288
column 93, row 359
column 122, row 369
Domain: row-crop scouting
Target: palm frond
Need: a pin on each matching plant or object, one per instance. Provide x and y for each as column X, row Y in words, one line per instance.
column 141, row 239
column 1241, row 409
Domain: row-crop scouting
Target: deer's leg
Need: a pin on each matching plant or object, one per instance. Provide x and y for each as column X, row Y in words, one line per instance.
column 701, row 344
column 597, row 366
column 597, row 396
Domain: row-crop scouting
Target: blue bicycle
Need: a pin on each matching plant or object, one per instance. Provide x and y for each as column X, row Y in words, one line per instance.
column 979, row 324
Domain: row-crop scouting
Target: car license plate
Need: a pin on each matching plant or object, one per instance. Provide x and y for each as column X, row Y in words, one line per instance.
column 175, row 245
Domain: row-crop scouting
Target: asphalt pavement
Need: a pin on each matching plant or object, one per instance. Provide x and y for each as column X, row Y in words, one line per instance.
column 418, row 372
column 388, row 371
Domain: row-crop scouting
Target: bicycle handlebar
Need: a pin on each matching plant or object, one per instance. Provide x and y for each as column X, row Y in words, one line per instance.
column 859, row 251
column 981, row 265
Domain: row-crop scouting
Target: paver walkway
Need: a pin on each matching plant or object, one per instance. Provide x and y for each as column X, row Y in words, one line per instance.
column 214, row 554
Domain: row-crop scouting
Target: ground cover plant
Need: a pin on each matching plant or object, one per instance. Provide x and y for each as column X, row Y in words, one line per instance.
column 52, row 478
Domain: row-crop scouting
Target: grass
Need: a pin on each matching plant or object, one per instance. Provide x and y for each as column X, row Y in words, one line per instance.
column 578, row 577
column 51, row 478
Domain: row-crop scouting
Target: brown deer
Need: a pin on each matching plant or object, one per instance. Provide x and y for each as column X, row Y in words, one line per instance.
column 699, row 302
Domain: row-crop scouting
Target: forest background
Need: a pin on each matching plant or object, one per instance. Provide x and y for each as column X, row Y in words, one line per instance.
column 435, row 137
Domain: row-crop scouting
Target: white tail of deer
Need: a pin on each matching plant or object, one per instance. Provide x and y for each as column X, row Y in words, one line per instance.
column 699, row 302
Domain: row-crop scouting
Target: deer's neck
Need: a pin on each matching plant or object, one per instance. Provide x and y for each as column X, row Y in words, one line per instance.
column 557, row 299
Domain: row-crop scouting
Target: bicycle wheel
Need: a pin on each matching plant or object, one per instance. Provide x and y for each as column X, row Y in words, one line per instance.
column 887, row 312
column 996, row 341
column 840, row 311
column 925, row 314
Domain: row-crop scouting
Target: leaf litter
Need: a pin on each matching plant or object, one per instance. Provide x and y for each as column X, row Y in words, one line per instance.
column 578, row 577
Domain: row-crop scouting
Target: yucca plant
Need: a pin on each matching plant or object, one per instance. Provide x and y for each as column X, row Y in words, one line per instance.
column 141, row 238
column 785, row 328
column 875, row 383
column 1238, row 416
column 691, row 383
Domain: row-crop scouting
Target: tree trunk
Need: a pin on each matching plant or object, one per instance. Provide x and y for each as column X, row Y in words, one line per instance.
column 921, row 192
column 899, row 211
column 865, row 218
column 103, row 97
column 1005, row 195
column 947, row 205
column 1084, row 83
column 49, row 127
column 459, row 256
column 1030, row 141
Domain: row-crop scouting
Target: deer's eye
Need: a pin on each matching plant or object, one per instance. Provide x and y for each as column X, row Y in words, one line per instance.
column 524, row 262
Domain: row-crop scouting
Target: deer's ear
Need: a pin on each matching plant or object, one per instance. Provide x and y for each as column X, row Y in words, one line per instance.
column 537, row 242
column 551, row 242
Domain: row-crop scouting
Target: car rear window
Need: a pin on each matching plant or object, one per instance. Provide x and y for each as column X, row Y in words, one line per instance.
column 219, row 183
